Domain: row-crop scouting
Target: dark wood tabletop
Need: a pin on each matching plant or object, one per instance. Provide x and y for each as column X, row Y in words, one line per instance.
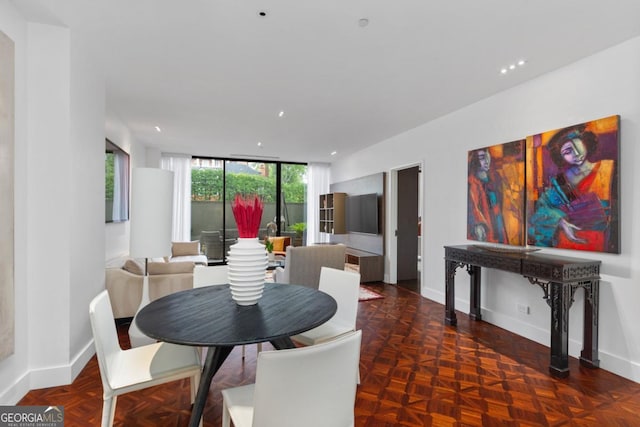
column 208, row 317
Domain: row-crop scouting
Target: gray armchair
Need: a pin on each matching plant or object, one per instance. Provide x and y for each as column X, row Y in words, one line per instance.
column 303, row 264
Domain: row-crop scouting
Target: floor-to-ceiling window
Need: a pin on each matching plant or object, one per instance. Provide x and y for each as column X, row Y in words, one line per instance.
column 215, row 182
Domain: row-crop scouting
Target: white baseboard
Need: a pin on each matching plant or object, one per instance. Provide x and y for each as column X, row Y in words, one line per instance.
column 619, row 366
column 51, row 376
column 64, row 374
column 16, row 391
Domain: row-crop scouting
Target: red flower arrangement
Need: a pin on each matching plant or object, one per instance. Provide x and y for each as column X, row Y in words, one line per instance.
column 248, row 213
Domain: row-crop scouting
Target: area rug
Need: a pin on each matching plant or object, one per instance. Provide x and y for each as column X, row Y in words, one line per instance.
column 368, row 294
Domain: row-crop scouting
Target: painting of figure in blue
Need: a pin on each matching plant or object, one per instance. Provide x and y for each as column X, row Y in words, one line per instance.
column 572, row 187
column 495, row 203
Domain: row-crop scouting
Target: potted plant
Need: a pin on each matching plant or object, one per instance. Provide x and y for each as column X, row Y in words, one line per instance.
column 268, row 245
column 299, row 228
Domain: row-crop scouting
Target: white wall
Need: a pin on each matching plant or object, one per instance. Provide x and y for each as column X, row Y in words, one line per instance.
column 48, row 195
column 13, row 370
column 59, row 230
column 87, row 198
column 604, row 84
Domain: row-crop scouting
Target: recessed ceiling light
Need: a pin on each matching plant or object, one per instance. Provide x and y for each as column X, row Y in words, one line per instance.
column 158, row 129
column 363, row 22
column 281, row 113
column 333, row 153
column 259, row 144
column 512, row 67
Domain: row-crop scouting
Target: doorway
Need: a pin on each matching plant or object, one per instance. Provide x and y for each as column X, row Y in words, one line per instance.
column 408, row 229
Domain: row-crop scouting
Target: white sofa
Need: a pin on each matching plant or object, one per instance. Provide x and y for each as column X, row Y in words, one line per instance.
column 187, row 251
column 123, row 280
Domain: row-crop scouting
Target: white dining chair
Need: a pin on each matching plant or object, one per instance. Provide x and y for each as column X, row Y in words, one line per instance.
column 311, row 386
column 344, row 287
column 210, row 275
column 214, row 275
column 123, row 371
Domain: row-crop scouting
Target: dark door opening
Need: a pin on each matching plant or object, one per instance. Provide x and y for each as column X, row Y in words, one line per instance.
column 407, row 231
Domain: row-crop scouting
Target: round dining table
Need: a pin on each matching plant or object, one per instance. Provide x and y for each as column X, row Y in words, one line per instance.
column 208, row 317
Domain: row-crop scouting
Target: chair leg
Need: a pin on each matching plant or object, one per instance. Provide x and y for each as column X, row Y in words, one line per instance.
column 226, row 417
column 194, row 381
column 108, row 410
column 259, row 349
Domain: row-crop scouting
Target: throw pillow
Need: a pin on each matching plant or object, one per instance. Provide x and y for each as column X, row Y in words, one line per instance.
column 185, row 248
column 133, row 267
column 278, row 243
column 171, row 267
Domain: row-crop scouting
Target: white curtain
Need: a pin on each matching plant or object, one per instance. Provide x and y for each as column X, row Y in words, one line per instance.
column 120, row 208
column 318, row 179
column 180, row 164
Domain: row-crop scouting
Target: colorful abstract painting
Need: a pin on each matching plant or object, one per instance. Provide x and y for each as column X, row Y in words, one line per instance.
column 572, row 187
column 495, row 206
column 7, row 322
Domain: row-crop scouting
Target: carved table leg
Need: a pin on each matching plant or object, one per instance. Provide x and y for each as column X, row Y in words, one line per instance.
column 560, row 301
column 589, row 353
column 450, row 292
column 474, row 300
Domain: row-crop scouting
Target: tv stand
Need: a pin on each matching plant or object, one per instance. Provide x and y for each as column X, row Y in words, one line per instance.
column 370, row 265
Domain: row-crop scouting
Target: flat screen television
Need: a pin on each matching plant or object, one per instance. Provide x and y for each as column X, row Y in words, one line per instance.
column 362, row 213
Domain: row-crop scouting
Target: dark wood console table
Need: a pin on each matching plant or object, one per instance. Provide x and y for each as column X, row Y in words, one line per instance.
column 559, row 278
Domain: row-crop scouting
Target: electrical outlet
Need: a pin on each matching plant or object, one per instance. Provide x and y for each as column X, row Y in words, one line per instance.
column 522, row 308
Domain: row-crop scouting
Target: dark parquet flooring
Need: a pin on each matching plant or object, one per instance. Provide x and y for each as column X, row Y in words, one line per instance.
column 415, row 371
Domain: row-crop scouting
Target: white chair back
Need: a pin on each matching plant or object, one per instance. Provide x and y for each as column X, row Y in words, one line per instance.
column 211, row 275
column 344, row 287
column 105, row 337
column 122, row 371
column 309, row 386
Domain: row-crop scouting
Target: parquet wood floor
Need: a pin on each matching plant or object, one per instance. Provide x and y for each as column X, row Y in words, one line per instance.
column 415, row 371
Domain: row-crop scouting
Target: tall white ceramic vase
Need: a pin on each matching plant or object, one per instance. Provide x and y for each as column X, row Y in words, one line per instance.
column 247, row 263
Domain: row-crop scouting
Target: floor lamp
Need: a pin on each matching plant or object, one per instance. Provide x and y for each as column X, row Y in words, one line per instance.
column 150, row 230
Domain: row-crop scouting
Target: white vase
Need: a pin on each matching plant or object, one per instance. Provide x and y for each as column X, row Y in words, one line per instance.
column 247, row 264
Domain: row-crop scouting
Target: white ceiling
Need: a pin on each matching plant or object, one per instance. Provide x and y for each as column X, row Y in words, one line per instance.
column 213, row 74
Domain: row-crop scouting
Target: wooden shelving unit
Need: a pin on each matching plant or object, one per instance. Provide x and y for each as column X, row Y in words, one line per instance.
column 332, row 218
